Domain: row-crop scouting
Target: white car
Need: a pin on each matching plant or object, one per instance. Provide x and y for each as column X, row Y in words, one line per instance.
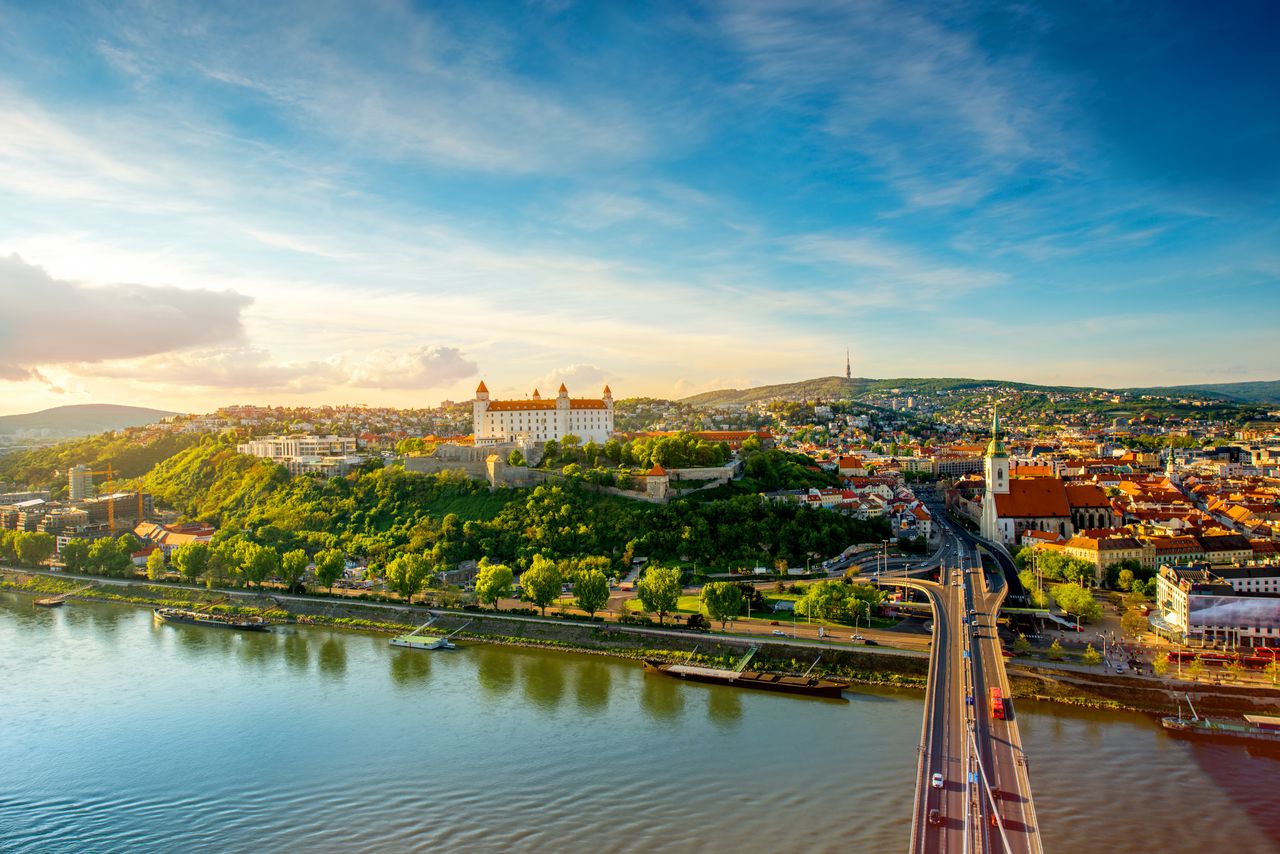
column 780, row 633
column 936, row 780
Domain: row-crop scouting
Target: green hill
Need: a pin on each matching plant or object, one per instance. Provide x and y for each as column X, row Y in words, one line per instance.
column 80, row 420
column 1264, row 392
column 838, row 388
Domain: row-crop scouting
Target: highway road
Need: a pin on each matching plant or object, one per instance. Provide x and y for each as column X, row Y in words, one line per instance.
column 985, row 802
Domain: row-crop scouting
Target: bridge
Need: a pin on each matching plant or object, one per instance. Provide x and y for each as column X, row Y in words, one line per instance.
column 984, row 803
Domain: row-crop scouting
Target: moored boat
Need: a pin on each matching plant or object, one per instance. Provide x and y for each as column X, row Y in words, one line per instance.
column 805, row 685
column 220, row 621
column 1256, row 727
column 50, row 602
column 423, row 642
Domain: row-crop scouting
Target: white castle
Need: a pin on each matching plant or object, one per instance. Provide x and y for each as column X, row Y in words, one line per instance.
column 537, row 420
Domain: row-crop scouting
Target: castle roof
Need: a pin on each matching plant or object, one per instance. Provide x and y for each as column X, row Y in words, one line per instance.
column 482, row 389
column 563, row 389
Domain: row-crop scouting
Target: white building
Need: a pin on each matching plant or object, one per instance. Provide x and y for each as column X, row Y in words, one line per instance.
column 499, row 421
column 302, row 445
column 80, row 483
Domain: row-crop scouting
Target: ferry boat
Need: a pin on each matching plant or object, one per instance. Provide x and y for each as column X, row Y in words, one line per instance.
column 219, row 621
column 1256, row 727
column 413, row 640
column 806, row 685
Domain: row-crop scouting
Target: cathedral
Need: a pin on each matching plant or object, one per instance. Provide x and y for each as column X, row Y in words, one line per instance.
column 537, row 420
column 1013, row 504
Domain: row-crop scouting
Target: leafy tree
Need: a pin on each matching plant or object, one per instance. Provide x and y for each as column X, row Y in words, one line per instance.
column 256, row 563
column 723, row 600
column 191, row 560
column 106, row 557
column 1022, row 646
column 1076, row 601
column 1196, row 669
column 156, row 567
column 293, row 565
column 1236, row 669
column 1160, row 665
column 1091, row 656
column 1273, row 670
column 1133, row 623
column 493, row 582
column 34, row 547
column 407, row 574
column 1055, row 650
column 541, row 582
column 330, row 564
column 8, row 547
column 1124, row 581
column 75, row 555
column 659, row 590
column 222, row 564
column 515, row 458
column 591, row 589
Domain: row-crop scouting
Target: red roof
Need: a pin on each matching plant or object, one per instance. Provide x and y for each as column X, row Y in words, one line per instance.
column 481, row 388
column 657, row 471
column 1033, row 498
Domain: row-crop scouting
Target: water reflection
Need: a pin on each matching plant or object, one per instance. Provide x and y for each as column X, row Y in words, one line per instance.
column 410, row 666
column 662, row 697
column 495, row 671
column 257, row 649
column 593, row 684
column 543, row 681
column 297, row 652
column 724, row 708
column 333, row 657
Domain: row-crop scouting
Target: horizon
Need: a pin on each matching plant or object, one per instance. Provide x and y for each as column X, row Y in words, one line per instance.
column 304, row 206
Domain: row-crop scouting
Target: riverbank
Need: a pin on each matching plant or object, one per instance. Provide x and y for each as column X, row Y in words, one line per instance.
column 856, row 666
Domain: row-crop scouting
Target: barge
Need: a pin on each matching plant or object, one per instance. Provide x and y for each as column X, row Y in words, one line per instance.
column 740, row 677
column 1254, row 727
column 219, row 621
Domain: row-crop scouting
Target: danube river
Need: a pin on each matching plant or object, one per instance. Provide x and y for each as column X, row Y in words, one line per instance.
column 119, row 734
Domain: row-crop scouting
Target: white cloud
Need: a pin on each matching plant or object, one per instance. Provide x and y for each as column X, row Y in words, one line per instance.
column 424, row 367
column 581, row 380
column 48, row 321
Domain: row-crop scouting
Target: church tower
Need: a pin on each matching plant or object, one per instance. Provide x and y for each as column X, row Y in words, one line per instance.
column 995, row 467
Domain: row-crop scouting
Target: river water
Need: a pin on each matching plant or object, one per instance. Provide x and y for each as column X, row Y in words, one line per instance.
column 120, row 734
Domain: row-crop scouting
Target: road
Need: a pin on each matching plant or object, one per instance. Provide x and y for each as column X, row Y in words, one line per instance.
column 985, row 802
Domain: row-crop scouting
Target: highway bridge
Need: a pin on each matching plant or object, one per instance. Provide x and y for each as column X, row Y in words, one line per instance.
column 984, row 801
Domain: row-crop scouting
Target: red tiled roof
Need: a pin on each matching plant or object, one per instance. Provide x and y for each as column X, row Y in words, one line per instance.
column 1086, row 495
column 1033, row 498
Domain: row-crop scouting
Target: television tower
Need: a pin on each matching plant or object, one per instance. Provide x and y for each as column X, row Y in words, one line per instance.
column 848, row 369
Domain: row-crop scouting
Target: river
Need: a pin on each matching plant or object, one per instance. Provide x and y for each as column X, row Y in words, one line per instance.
column 121, row 734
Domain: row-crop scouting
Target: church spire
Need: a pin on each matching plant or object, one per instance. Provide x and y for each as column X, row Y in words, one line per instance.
column 996, row 446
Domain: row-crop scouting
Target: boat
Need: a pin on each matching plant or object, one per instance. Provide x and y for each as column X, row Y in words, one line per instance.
column 219, row 621
column 740, row 677
column 413, row 640
column 50, row 602
column 1255, row 727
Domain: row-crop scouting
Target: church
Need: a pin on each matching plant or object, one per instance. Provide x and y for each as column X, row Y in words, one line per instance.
column 536, row 420
column 1013, row 504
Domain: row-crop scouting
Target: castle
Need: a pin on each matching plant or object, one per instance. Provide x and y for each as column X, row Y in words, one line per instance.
column 537, row 420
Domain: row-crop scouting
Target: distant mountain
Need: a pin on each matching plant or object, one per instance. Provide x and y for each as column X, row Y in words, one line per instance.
column 1266, row 392
column 836, row 388
column 79, row 420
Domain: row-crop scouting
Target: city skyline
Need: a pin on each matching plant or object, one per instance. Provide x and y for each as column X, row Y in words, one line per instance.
column 300, row 205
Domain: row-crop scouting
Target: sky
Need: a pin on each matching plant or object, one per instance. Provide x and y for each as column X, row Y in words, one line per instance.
column 384, row 203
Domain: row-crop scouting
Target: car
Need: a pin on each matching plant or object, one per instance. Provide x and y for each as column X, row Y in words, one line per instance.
column 1119, row 669
column 936, row 780
column 870, row 642
column 855, row 637
column 780, row 633
column 935, row 817
column 774, row 623
column 968, row 701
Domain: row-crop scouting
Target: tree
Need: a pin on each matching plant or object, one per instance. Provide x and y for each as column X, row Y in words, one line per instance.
column 1055, row 650
column 256, row 563
column 329, row 566
column 1022, row 646
column 515, row 458
column 1133, row 623
column 591, row 589
column 34, row 547
column 541, row 582
column 8, row 547
column 659, row 590
column 106, row 557
column 723, row 601
column 1195, row 669
column 1124, row 581
column 1160, row 665
column 1091, row 656
column 191, row 560
column 156, row 566
column 1236, row 669
column 75, row 555
column 493, row 582
column 407, row 574
column 293, row 565
column 1273, row 670
column 1077, row 601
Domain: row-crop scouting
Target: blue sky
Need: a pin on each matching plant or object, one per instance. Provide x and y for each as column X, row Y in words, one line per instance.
column 384, row 203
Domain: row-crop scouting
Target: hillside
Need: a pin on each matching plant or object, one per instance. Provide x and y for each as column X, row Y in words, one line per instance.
column 1263, row 391
column 836, row 388
column 80, row 420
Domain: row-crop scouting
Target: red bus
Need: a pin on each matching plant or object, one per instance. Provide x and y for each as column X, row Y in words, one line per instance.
column 1267, row 652
column 1176, row 656
column 1255, row 662
column 997, row 704
column 1219, row 658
